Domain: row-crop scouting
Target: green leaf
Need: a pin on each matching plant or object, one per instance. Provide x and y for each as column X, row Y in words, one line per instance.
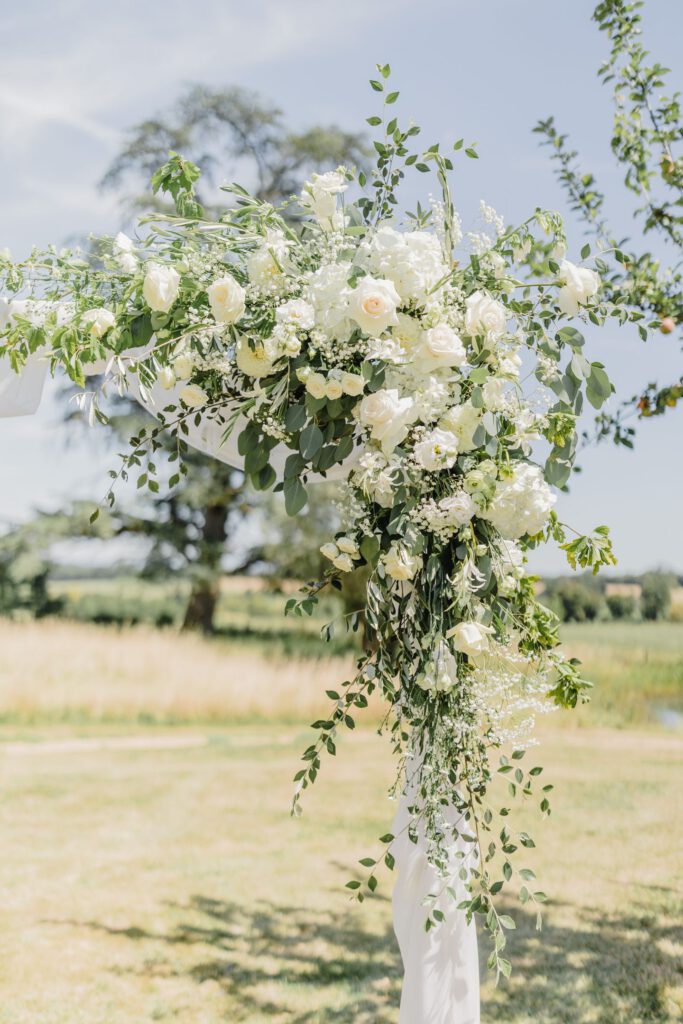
column 310, row 441
column 295, row 496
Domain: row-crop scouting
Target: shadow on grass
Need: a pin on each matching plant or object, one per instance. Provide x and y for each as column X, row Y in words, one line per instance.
column 270, row 958
column 261, row 954
column 602, row 968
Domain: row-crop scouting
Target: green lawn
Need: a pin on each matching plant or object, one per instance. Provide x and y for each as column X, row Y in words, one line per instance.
column 172, row 885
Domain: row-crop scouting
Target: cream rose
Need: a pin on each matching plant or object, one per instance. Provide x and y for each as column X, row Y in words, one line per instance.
column 333, row 389
column 484, row 315
column 182, row 366
column 226, row 298
column 193, row 396
column 400, row 564
column 372, row 304
column 316, row 385
column 352, row 384
column 160, row 287
column 99, row 321
column 580, row 285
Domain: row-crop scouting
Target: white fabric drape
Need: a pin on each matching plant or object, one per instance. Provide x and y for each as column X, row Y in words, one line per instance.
column 441, row 983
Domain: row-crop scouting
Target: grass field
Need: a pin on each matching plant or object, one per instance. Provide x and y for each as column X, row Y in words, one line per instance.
column 150, row 870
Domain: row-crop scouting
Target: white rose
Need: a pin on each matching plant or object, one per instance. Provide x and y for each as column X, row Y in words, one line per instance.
column 166, row 378
column 329, row 550
column 182, row 366
column 343, row 562
column 348, row 545
column 320, row 195
column 493, row 393
column 437, row 450
column 352, row 384
column 580, row 285
column 522, row 502
column 316, row 385
column 124, row 251
column 388, row 416
column 328, row 292
column 254, row 362
column 100, row 320
column 400, row 564
column 372, row 304
column 457, row 509
column 440, row 346
column 462, row 420
column 333, row 389
column 470, row 638
column 160, row 287
column 484, row 315
column 296, row 312
column 226, row 298
column 193, row 396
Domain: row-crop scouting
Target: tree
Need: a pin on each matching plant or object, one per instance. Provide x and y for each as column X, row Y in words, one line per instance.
column 216, row 130
column 655, row 598
column 647, row 133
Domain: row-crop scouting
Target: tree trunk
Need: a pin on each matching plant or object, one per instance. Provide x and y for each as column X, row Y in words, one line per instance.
column 201, row 606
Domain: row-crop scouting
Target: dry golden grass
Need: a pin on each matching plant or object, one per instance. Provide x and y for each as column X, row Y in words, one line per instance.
column 62, row 671
column 172, row 885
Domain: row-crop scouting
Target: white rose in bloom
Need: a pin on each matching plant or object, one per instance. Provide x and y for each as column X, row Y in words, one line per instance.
column 166, row 378
column 124, row 250
column 348, row 546
column 333, row 389
column 352, row 384
column 580, row 285
column 316, row 385
column 400, row 564
column 470, row 638
column 320, row 194
column 343, row 562
column 462, row 420
column 99, row 320
column 256, row 361
column 226, row 298
column 296, row 312
column 437, row 450
column 193, row 396
column 441, row 346
column 160, row 287
column 484, row 315
column 372, row 304
column 183, row 366
column 458, row 509
column 388, row 416
column 521, row 503
column 329, row 550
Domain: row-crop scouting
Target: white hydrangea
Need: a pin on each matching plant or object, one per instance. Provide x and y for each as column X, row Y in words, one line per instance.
column 522, row 502
column 412, row 260
column 296, row 312
column 328, row 293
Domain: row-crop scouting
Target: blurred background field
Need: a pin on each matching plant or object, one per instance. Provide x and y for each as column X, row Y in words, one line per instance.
column 150, row 866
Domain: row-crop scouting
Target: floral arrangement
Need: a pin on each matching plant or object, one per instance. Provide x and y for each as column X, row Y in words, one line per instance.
column 448, row 388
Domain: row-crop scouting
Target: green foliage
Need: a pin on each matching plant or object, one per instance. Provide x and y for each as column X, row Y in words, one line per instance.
column 655, row 599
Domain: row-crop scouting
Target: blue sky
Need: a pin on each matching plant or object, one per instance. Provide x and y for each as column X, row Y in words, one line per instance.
column 75, row 74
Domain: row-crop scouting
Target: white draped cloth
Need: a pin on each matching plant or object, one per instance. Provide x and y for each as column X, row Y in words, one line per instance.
column 441, row 968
